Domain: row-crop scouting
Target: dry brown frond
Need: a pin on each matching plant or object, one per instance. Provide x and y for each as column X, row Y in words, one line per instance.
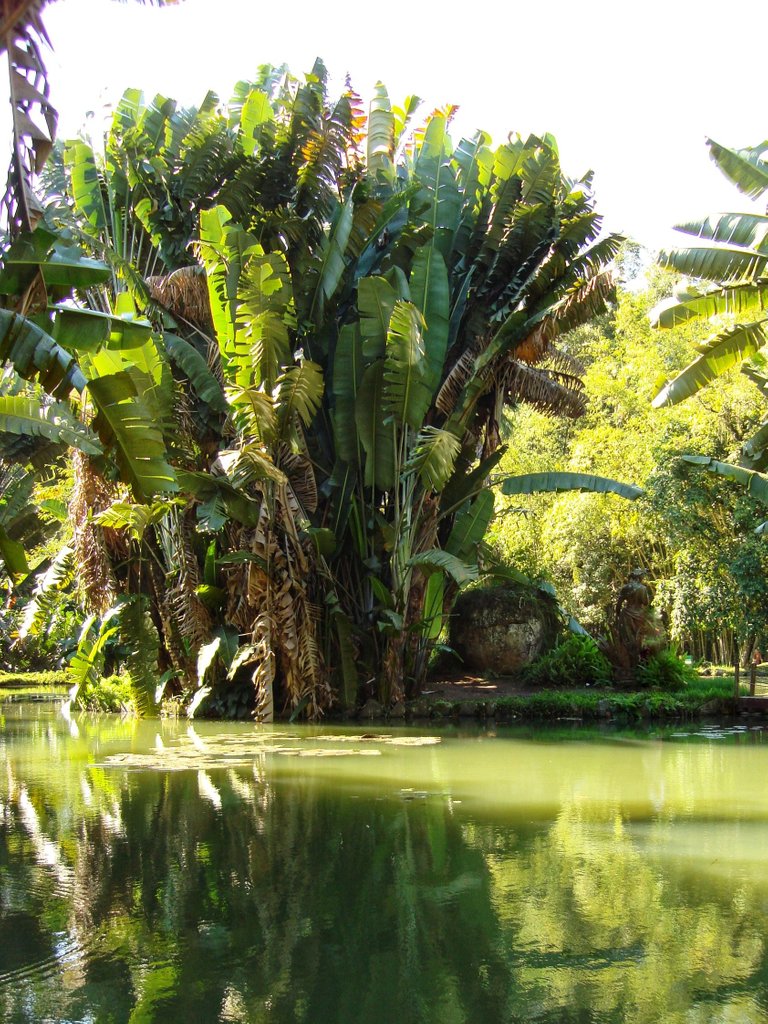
column 264, row 671
column 586, row 301
column 553, row 393
column 184, row 293
column 559, row 359
column 459, row 376
column 273, row 591
column 534, row 348
column 92, row 494
column 301, row 477
column 190, row 614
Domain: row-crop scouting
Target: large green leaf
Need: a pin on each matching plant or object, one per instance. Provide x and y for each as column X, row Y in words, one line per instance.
column 194, row 365
column 376, row 299
column 136, row 519
column 746, row 168
column 724, row 264
column 434, row 600
column 465, row 482
column 381, row 135
column 28, row 417
column 376, row 436
column 406, row 394
column 434, row 456
column 437, row 560
column 744, row 301
column 62, row 266
column 35, row 355
column 86, row 186
column 440, row 189
column 745, row 229
column 13, row 555
column 333, row 258
column 755, row 483
column 728, row 349
column 469, row 527
column 299, row 393
column 150, row 372
column 219, row 500
column 347, row 375
column 87, row 330
column 535, row 483
column 430, row 292
column 124, row 422
column 256, row 112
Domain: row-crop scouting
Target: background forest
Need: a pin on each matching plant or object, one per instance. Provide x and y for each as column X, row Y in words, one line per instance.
column 693, row 532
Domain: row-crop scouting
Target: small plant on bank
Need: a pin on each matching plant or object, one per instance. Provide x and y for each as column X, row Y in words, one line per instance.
column 109, row 693
column 576, row 661
column 665, row 670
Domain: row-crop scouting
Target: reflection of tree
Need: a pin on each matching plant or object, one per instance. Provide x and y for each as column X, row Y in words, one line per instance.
column 255, row 895
column 589, row 922
column 229, row 907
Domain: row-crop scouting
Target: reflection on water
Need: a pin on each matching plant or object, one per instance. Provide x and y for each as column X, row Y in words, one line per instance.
column 156, row 872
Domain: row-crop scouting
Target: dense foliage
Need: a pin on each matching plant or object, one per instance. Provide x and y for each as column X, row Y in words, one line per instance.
column 692, row 532
column 279, row 337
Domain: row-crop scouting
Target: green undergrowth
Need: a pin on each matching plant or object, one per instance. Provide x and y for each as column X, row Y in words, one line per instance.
column 33, row 680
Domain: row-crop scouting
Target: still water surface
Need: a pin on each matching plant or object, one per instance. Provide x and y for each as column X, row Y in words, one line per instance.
column 158, row 872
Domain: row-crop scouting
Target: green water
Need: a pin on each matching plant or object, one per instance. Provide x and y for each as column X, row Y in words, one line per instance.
column 155, row 872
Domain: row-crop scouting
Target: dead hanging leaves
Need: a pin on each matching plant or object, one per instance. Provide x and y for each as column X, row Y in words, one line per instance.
column 193, row 752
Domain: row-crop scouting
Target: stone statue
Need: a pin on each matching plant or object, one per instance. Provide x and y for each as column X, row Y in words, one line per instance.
column 638, row 630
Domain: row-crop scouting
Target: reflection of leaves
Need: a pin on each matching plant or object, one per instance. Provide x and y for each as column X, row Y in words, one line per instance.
column 230, row 750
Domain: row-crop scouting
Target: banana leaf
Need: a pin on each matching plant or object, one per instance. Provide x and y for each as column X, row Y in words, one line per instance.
column 754, row 483
column 123, row 421
column 747, row 229
column 723, row 264
column 430, row 292
column 346, row 379
column 406, row 395
column 195, row 366
column 744, row 301
column 35, row 355
column 728, row 349
column 438, row 560
column 469, row 527
column 28, row 417
column 746, row 168
column 535, row 483
column 87, row 330
column 376, row 436
column 86, row 186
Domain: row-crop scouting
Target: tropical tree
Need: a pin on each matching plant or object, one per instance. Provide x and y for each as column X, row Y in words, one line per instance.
column 374, row 296
column 729, row 265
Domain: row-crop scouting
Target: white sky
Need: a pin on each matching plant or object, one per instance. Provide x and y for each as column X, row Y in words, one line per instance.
column 628, row 89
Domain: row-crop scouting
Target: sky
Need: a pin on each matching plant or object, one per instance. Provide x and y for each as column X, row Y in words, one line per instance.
column 630, row 90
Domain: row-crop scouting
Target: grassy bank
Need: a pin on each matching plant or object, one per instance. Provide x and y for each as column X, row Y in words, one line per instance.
column 703, row 696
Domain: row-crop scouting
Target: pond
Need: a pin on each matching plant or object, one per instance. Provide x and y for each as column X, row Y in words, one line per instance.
column 174, row 872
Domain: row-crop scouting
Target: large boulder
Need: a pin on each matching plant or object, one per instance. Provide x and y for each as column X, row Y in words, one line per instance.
column 502, row 629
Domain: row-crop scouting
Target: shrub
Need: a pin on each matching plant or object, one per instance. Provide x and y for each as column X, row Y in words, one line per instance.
column 110, row 693
column 576, row 661
column 665, row 670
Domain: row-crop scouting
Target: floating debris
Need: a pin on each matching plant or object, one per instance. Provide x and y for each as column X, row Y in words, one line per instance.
column 386, row 739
